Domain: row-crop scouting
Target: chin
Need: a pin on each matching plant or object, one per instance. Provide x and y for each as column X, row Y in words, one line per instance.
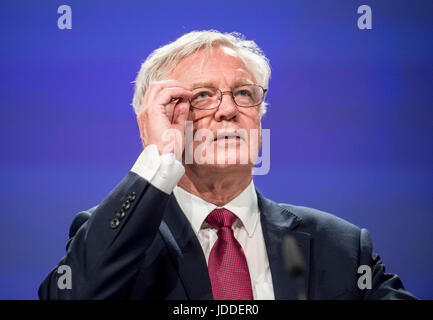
column 227, row 166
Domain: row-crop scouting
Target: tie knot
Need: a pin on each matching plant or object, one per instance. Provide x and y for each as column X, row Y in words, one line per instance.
column 219, row 218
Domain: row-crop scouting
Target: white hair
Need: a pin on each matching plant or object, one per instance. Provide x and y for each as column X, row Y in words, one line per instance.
column 161, row 62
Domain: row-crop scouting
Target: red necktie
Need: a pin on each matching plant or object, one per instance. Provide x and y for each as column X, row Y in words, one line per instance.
column 228, row 268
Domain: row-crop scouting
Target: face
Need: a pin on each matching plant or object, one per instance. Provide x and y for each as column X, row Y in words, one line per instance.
column 229, row 135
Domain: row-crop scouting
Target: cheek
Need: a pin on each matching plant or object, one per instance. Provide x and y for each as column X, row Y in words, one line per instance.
column 200, row 115
column 252, row 120
column 254, row 129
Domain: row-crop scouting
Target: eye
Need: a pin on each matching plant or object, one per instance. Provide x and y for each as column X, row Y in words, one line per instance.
column 243, row 92
column 203, row 93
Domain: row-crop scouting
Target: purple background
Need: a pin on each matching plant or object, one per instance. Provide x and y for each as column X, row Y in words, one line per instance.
column 351, row 117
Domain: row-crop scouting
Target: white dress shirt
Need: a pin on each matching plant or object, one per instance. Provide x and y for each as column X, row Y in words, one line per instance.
column 164, row 172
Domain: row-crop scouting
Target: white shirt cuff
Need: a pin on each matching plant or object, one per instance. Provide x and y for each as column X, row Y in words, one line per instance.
column 162, row 171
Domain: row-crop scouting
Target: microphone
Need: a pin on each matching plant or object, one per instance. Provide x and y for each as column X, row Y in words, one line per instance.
column 294, row 265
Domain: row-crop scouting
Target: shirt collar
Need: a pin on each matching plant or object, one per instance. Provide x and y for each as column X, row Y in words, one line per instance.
column 244, row 206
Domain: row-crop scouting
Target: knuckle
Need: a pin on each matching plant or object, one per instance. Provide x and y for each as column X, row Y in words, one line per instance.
column 154, row 83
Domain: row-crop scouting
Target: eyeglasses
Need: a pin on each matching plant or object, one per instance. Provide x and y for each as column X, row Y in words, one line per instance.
column 247, row 96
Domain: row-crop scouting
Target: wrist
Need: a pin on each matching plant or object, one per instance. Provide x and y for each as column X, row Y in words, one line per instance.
column 163, row 171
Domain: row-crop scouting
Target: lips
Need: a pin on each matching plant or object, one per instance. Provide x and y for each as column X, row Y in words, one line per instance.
column 228, row 136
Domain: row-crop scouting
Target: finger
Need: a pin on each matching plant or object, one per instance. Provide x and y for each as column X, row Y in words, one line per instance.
column 167, row 94
column 170, row 82
column 181, row 112
column 154, row 94
column 157, row 108
column 156, row 87
column 173, row 111
column 171, row 108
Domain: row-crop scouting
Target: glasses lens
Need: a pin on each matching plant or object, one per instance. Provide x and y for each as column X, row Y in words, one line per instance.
column 205, row 98
column 248, row 96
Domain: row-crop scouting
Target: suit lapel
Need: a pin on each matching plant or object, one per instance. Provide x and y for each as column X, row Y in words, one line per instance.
column 186, row 252
column 190, row 261
column 276, row 223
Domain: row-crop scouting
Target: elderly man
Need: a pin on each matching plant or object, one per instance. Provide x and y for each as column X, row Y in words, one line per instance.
column 187, row 222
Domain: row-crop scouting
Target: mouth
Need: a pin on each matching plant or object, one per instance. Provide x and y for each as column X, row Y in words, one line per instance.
column 228, row 137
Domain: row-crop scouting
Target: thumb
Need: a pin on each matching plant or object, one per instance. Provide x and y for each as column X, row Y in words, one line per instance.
column 182, row 111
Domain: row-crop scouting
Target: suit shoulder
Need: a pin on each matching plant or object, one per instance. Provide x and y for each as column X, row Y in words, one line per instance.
column 318, row 221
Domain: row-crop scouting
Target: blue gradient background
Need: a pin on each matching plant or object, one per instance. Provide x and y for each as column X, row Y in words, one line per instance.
column 351, row 117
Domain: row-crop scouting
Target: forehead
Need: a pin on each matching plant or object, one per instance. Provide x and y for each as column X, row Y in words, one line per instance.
column 213, row 66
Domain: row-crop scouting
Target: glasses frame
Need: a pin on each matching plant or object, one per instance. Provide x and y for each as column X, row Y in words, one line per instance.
column 233, row 98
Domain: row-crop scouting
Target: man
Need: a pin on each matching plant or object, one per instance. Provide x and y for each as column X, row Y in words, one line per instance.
column 187, row 222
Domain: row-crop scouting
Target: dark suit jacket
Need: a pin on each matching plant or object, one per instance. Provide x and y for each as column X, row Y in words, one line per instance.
column 153, row 252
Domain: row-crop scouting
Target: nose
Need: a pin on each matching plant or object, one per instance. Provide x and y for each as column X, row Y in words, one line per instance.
column 227, row 110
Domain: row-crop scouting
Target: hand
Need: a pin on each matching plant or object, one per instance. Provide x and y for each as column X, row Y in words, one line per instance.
column 164, row 125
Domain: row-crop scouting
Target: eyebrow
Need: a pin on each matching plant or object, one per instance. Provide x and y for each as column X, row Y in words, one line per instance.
column 237, row 83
